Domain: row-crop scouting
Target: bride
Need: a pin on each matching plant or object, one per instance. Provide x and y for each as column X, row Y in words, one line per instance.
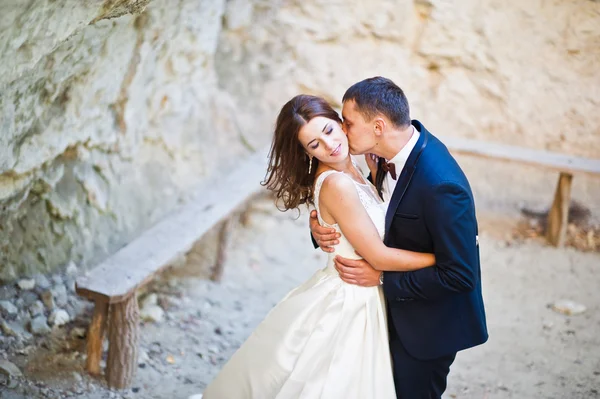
column 326, row 339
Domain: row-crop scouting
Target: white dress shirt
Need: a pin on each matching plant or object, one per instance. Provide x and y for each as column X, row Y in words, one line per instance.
column 399, row 161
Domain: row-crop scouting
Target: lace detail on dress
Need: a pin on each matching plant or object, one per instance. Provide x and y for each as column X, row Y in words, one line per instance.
column 365, row 191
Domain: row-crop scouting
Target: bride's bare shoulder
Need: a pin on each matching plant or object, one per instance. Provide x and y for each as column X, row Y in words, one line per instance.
column 337, row 186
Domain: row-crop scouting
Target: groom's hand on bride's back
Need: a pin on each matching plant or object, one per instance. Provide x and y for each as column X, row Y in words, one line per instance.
column 325, row 237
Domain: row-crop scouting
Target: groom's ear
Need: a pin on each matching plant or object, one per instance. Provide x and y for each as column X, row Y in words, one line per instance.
column 378, row 126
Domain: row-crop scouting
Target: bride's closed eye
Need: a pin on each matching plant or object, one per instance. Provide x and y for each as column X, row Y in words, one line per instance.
column 329, row 131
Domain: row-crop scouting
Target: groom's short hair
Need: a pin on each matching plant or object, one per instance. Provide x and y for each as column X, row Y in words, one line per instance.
column 380, row 95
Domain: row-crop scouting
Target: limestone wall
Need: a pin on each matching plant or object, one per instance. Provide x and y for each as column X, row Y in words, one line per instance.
column 110, row 115
column 523, row 73
column 107, row 117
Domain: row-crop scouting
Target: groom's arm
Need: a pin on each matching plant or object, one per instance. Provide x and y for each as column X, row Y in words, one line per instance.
column 449, row 215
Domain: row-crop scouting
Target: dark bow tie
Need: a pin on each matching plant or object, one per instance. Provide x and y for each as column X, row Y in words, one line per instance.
column 389, row 167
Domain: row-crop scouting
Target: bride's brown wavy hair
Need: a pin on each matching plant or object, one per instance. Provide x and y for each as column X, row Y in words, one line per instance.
column 287, row 174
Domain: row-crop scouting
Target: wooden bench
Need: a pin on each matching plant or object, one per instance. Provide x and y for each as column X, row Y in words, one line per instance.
column 566, row 165
column 112, row 285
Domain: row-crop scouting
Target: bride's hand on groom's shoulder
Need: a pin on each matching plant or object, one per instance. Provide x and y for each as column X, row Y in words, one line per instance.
column 326, row 237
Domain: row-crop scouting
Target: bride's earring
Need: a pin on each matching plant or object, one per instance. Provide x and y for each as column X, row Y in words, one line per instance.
column 310, row 164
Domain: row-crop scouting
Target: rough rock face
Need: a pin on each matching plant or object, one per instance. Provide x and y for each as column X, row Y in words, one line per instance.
column 105, row 122
column 110, row 111
column 525, row 74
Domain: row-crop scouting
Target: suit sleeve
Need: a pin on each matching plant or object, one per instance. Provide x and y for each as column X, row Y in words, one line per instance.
column 313, row 241
column 449, row 215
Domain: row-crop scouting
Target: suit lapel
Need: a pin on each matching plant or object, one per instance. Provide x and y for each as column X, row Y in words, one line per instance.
column 407, row 173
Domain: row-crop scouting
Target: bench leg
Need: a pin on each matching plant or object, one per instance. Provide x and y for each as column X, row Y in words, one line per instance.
column 123, row 339
column 224, row 232
column 558, row 217
column 95, row 337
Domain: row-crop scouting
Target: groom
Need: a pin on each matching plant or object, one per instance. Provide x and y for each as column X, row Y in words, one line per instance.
column 433, row 312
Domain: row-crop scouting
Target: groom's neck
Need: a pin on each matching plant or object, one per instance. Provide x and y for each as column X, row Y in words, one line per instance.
column 393, row 142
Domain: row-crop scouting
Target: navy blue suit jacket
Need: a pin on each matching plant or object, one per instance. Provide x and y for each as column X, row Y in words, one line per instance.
column 438, row 310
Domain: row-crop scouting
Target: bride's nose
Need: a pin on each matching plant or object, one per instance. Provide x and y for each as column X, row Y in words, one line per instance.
column 329, row 143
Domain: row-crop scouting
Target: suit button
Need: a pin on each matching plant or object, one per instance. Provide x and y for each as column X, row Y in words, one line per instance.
column 400, row 299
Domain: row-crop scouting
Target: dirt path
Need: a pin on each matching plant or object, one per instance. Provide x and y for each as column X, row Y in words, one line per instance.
column 533, row 352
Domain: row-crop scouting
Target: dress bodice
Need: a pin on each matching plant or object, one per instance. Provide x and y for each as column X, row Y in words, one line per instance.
column 374, row 206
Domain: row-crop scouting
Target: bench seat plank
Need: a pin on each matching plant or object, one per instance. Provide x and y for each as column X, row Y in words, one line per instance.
column 552, row 160
column 136, row 263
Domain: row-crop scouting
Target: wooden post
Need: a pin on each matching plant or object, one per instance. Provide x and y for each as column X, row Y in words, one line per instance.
column 224, row 232
column 558, row 217
column 95, row 337
column 123, row 339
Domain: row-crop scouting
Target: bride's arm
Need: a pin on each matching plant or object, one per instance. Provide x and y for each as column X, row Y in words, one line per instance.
column 339, row 199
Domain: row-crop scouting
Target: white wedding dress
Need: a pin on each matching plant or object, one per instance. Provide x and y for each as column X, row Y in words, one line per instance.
column 326, row 339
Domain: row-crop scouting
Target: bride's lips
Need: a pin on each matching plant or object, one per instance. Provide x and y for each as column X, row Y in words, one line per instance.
column 337, row 150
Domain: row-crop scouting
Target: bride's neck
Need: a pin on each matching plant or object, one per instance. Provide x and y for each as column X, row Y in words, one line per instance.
column 344, row 166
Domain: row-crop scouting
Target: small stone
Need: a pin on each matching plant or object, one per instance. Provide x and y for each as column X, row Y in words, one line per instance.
column 26, row 284
column 9, row 369
column 8, row 308
column 77, row 377
column 48, row 299
column 60, row 294
column 78, row 332
column 502, row 387
column 70, row 284
column 71, row 269
column 567, row 307
column 75, row 307
column 29, row 298
column 59, row 317
column 26, row 351
column 19, row 302
column 155, row 348
column 213, row 349
column 37, row 308
column 143, row 357
column 152, row 313
column 57, row 279
column 7, row 329
column 7, row 292
column 135, row 389
column 218, row 331
column 39, row 325
column 16, row 329
column 12, row 383
column 149, row 300
column 41, row 282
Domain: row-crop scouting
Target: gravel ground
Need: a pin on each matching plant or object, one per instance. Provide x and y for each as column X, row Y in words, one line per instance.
column 533, row 351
